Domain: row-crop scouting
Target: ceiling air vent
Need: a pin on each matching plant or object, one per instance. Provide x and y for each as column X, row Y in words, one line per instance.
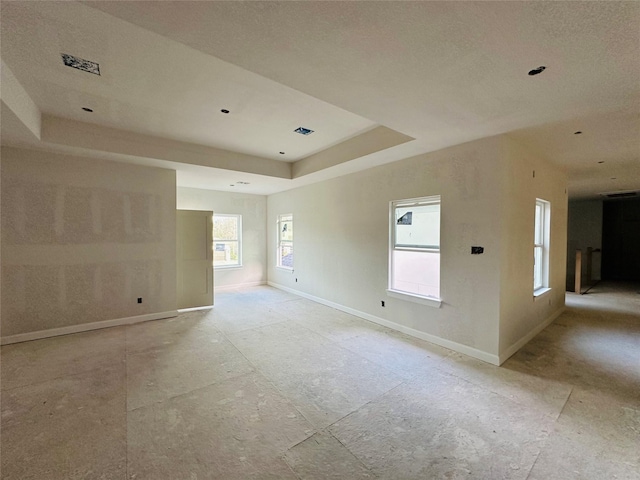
column 303, row 131
column 80, row 64
column 620, row 194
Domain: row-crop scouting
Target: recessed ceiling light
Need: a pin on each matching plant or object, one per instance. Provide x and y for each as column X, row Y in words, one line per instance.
column 537, row 71
column 577, row 133
column 86, row 109
column 80, row 64
column 224, row 110
column 303, row 131
column 281, row 153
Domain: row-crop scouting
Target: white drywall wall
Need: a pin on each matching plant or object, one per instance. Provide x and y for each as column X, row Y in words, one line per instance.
column 527, row 177
column 341, row 241
column 253, row 209
column 82, row 239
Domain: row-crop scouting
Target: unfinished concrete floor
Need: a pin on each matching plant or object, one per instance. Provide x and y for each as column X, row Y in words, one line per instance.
column 272, row 386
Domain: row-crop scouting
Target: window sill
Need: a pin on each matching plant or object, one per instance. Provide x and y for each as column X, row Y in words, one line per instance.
column 429, row 301
column 286, row 269
column 226, row 267
column 540, row 292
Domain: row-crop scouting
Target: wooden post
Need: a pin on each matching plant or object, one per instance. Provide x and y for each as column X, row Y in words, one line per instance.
column 578, row 271
column 589, row 263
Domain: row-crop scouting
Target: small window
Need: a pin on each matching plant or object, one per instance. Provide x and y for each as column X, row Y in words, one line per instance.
column 414, row 258
column 285, row 241
column 541, row 245
column 227, row 240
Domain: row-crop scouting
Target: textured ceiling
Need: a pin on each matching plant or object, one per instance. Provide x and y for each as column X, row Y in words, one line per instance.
column 155, row 86
column 440, row 72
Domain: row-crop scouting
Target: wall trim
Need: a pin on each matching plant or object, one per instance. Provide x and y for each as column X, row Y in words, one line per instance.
column 443, row 342
column 504, row 356
column 194, row 309
column 85, row 327
column 238, row 285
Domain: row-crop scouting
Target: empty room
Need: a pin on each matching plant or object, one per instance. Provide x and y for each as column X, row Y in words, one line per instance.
column 320, row 240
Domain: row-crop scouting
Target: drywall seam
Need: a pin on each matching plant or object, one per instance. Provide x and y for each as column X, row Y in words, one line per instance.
column 504, row 356
column 238, row 285
column 84, row 327
column 457, row 347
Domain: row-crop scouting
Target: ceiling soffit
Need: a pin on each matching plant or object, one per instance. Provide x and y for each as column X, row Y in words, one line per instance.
column 88, row 136
column 152, row 85
column 409, row 76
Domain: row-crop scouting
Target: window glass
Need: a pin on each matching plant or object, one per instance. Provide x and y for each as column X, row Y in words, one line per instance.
column 539, row 224
column 414, row 257
column 285, row 241
column 541, row 245
column 227, row 233
column 418, row 226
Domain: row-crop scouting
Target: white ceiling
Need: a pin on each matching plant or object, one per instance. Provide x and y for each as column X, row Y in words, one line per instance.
column 441, row 73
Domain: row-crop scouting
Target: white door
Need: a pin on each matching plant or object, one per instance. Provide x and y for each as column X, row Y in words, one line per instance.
column 195, row 258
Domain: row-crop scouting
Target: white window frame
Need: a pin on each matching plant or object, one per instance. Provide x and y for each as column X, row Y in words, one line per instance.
column 239, row 239
column 541, row 240
column 281, row 243
column 400, row 294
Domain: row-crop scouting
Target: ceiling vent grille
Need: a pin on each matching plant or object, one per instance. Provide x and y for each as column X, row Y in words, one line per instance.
column 80, row 64
column 303, row 131
column 620, row 194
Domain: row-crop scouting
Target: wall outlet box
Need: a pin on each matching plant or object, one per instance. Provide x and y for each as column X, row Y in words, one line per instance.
column 477, row 250
column 139, row 299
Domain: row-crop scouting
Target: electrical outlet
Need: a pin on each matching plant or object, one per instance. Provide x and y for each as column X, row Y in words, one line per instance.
column 139, row 299
column 296, row 280
column 382, row 303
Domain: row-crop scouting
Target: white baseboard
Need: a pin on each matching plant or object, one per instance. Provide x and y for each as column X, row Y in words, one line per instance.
column 443, row 342
column 238, row 285
column 194, row 309
column 504, row 356
column 85, row 327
